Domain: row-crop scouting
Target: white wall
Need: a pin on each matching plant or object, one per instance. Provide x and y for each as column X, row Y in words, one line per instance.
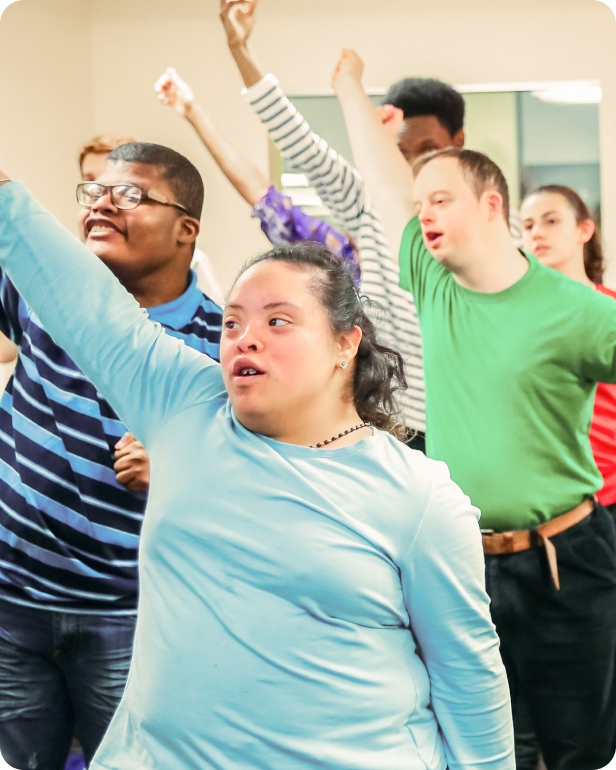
column 461, row 41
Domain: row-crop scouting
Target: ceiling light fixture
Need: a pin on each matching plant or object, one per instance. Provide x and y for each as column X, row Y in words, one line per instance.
column 570, row 93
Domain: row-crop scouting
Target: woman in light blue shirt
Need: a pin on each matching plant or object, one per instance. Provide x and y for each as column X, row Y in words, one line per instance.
column 303, row 604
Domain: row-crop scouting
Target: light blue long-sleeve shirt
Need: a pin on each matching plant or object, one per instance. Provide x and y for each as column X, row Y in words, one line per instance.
column 299, row 608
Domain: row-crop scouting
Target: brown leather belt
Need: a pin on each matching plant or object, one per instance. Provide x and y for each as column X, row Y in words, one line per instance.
column 524, row 539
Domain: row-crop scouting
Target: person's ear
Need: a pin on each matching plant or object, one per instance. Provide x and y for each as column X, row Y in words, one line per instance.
column 189, row 229
column 349, row 343
column 459, row 139
column 587, row 230
column 493, row 201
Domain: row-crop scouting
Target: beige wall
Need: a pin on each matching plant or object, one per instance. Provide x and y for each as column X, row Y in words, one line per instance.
column 46, row 107
column 462, row 41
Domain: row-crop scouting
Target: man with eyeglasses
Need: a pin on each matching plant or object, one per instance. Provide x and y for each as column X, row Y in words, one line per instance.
column 69, row 528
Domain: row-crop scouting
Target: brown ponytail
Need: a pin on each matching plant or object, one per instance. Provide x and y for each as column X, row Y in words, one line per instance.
column 594, row 263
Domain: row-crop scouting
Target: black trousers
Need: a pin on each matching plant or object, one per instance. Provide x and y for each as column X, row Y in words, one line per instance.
column 559, row 647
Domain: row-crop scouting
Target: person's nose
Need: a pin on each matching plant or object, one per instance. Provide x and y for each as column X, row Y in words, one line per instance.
column 249, row 341
column 426, row 215
column 537, row 233
column 104, row 204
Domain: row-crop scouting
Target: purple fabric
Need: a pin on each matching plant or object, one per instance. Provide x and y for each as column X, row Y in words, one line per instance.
column 75, row 762
column 282, row 222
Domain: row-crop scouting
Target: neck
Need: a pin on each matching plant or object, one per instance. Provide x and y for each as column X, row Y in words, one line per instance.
column 496, row 264
column 308, row 427
column 575, row 270
column 156, row 289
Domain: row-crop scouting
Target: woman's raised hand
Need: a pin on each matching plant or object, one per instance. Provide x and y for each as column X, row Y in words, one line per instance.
column 350, row 68
column 172, row 90
column 238, row 17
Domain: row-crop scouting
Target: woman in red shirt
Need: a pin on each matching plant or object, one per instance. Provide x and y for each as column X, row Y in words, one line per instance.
column 560, row 232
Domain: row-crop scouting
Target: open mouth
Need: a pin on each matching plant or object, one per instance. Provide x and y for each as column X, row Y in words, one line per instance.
column 245, row 369
column 99, row 227
column 433, row 238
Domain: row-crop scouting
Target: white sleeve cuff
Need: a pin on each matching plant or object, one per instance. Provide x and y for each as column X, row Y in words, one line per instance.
column 260, row 89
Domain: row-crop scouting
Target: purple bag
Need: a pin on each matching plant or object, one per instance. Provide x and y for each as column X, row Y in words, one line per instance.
column 282, row 222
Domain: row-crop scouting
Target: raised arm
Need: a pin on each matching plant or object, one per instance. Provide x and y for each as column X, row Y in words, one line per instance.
column 387, row 175
column 247, row 179
column 444, row 589
column 338, row 184
column 146, row 375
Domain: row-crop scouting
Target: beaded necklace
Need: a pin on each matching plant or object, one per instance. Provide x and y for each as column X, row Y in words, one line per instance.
column 340, row 435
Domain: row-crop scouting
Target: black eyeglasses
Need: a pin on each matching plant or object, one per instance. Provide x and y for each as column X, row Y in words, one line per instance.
column 123, row 196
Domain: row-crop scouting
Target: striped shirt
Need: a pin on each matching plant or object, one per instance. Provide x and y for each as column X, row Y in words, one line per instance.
column 69, row 532
column 342, row 190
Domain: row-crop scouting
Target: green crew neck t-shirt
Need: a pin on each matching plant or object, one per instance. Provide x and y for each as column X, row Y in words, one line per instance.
column 510, row 384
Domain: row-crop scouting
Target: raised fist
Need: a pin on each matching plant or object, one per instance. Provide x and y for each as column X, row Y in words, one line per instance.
column 172, row 90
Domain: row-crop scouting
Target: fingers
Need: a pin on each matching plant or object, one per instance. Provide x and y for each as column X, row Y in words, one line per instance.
column 125, row 477
column 126, row 439
column 123, row 463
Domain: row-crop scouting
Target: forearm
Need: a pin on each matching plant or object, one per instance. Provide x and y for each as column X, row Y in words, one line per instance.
column 336, row 181
column 145, row 374
column 247, row 179
column 450, row 617
column 247, row 63
column 388, row 177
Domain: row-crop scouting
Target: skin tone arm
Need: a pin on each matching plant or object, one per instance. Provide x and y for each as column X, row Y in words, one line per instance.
column 238, row 17
column 247, row 179
column 387, row 175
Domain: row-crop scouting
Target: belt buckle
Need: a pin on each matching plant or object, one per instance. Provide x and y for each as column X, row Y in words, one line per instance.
column 487, row 531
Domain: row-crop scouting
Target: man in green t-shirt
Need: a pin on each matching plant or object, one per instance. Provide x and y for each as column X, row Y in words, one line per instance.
column 512, row 355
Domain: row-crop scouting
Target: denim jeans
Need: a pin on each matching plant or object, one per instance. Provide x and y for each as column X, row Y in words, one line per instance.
column 559, row 647
column 60, row 675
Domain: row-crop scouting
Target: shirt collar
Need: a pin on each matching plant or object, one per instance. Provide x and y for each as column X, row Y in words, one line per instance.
column 180, row 311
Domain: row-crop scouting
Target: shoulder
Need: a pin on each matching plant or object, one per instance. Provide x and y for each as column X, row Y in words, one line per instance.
column 418, row 475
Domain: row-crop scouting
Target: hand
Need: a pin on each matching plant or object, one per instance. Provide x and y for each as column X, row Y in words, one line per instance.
column 132, row 464
column 238, row 18
column 172, row 90
column 350, row 66
column 391, row 118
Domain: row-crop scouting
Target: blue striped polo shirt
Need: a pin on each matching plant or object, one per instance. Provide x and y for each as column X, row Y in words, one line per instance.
column 69, row 532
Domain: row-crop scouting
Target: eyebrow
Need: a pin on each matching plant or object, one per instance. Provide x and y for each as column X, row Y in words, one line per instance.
column 269, row 306
column 436, row 192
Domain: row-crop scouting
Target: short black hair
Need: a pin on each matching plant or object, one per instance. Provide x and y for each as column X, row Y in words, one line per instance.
column 179, row 173
column 427, row 96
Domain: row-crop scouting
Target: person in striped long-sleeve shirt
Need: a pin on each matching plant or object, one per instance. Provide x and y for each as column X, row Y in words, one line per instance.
column 343, row 191
column 70, row 517
column 281, row 221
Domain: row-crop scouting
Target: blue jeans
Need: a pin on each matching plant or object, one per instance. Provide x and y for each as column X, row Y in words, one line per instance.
column 559, row 647
column 60, row 675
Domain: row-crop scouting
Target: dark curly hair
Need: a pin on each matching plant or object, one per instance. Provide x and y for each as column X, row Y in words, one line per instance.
column 427, row 96
column 379, row 370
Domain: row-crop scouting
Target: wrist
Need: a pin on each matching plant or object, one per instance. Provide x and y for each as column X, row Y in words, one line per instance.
column 345, row 85
column 238, row 46
column 189, row 111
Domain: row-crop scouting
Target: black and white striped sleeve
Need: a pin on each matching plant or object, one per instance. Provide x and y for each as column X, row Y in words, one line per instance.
column 339, row 185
